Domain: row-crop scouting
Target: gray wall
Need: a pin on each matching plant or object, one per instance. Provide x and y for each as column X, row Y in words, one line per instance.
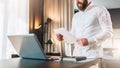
column 115, row 16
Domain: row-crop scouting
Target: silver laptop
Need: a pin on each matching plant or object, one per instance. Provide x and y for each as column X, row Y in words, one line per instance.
column 28, row 46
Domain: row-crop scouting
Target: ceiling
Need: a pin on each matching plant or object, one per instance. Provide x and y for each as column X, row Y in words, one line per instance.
column 109, row 4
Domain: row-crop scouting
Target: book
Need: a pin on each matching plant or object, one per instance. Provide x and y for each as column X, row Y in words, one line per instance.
column 74, row 59
column 67, row 36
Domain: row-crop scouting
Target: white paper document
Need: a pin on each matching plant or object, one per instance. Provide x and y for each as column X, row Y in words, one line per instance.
column 68, row 37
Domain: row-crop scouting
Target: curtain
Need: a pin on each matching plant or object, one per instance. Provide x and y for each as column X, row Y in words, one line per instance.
column 61, row 12
column 14, row 19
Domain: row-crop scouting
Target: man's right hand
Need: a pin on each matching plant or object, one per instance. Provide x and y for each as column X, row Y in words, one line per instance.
column 60, row 37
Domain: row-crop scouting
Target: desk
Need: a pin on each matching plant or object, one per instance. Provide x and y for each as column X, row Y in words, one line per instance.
column 29, row 63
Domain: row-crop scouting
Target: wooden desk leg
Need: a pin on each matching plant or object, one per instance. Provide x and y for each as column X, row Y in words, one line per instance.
column 95, row 66
column 102, row 64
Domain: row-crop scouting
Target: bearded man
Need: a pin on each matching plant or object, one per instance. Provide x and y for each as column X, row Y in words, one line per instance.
column 91, row 26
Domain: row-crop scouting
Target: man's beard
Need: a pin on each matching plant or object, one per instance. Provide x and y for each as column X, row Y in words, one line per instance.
column 84, row 5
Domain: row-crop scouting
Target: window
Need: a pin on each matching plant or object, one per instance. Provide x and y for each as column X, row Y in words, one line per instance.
column 14, row 15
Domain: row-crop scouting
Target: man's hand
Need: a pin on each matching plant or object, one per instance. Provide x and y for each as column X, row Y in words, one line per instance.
column 59, row 37
column 83, row 41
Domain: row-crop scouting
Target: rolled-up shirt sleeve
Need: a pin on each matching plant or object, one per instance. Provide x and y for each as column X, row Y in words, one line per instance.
column 106, row 26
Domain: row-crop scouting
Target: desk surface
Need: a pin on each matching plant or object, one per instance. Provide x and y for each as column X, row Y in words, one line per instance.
column 28, row 63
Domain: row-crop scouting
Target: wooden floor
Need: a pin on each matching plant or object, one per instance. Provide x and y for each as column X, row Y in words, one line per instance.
column 109, row 63
column 112, row 63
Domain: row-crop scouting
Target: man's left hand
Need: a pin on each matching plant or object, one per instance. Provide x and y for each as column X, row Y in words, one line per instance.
column 83, row 41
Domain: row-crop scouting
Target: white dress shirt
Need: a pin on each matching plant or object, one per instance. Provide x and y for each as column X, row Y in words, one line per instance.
column 94, row 24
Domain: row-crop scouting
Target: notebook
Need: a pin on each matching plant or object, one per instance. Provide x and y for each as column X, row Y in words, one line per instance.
column 28, row 46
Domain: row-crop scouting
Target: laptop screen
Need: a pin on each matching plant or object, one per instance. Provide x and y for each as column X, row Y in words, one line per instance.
column 27, row 46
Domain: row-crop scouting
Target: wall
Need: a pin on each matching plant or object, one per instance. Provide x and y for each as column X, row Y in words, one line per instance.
column 36, row 19
column 115, row 15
